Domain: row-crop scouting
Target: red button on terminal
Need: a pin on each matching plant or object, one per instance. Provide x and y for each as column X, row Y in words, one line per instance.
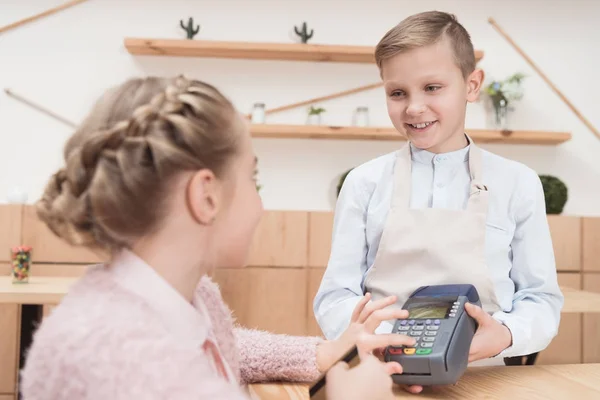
column 395, row 350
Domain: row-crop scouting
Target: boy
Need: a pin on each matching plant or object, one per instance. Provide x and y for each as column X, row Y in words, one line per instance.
column 440, row 210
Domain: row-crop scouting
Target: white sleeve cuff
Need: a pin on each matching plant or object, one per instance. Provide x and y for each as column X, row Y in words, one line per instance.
column 517, row 346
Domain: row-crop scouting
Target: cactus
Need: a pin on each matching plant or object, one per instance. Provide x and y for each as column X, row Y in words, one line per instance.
column 304, row 35
column 189, row 29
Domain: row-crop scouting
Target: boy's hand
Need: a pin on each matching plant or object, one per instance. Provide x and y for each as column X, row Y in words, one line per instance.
column 491, row 337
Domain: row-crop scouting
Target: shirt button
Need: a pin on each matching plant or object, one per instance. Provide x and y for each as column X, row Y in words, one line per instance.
column 440, row 185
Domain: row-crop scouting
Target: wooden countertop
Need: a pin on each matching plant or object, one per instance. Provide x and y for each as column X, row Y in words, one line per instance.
column 39, row 290
column 50, row 290
column 540, row 382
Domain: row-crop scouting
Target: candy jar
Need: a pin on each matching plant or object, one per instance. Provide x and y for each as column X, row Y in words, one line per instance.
column 21, row 263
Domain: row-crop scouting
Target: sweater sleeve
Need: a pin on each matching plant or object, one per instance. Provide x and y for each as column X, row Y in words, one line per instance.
column 268, row 357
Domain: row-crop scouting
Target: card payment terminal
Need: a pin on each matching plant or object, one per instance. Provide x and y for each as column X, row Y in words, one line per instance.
column 443, row 330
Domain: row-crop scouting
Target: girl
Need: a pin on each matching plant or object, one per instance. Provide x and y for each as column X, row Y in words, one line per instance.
column 160, row 176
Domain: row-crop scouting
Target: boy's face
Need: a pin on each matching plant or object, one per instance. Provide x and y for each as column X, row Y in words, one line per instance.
column 427, row 95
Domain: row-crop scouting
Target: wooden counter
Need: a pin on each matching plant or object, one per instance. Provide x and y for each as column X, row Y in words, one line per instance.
column 50, row 290
column 517, row 382
column 39, row 290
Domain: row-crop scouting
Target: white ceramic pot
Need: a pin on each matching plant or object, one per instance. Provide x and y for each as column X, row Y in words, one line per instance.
column 314, row 119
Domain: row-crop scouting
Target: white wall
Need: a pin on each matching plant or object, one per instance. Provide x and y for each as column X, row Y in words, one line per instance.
column 66, row 60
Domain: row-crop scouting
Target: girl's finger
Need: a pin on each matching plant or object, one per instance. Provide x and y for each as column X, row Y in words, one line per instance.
column 359, row 307
column 393, row 367
column 373, row 306
column 378, row 316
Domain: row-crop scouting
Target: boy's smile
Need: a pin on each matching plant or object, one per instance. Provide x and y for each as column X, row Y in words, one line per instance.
column 427, row 95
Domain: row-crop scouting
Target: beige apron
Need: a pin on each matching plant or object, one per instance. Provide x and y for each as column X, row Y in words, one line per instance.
column 432, row 246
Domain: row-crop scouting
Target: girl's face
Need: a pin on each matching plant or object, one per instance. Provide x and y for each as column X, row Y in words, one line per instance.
column 242, row 208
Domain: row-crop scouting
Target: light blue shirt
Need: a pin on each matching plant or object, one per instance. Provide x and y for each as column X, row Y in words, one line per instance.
column 519, row 250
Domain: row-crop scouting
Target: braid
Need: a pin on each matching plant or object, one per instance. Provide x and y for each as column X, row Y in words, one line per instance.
column 120, row 161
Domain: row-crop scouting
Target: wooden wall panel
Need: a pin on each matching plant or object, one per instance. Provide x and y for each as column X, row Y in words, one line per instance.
column 320, row 225
column 567, row 346
column 272, row 299
column 591, row 244
column 566, row 239
column 10, row 321
column 591, row 323
column 281, row 240
column 5, row 269
column 7, row 397
column 314, row 281
column 10, row 232
column 47, row 247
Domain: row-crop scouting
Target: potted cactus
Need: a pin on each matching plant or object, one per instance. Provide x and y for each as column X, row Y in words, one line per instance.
column 556, row 194
column 189, row 28
column 304, row 34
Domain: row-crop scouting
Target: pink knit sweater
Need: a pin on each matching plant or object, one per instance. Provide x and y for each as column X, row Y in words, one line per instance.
column 123, row 333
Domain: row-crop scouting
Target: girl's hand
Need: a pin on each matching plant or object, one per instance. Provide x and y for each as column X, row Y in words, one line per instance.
column 368, row 380
column 367, row 316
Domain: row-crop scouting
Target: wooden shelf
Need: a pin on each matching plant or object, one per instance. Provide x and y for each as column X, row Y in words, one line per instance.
column 385, row 133
column 254, row 50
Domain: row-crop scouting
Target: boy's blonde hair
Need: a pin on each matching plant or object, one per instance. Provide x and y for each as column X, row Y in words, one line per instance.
column 425, row 29
column 115, row 185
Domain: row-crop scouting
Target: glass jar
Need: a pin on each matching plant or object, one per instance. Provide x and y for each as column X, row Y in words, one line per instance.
column 258, row 113
column 361, row 116
column 20, row 257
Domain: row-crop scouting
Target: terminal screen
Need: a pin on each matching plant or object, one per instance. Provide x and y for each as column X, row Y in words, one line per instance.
column 429, row 310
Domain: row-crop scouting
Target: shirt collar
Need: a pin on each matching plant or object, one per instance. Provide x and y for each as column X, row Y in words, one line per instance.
column 179, row 316
column 426, row 157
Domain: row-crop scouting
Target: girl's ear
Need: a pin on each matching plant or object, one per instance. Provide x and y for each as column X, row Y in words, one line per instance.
column 204, row 196
column 474, row 84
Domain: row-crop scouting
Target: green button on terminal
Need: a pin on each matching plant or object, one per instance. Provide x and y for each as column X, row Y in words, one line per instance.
column 423, row 351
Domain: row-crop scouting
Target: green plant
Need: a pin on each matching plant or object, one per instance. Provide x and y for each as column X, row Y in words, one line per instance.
column 315, row 111
column 504, row 92
column 341, row 181
column 189, row 29
column 304, row 35
column 556, row 194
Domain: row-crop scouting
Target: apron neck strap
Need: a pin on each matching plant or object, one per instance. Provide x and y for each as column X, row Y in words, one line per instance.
column 403, row 177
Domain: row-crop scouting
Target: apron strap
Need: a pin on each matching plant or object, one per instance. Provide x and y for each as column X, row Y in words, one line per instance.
column 478, row 192
column 402, row 178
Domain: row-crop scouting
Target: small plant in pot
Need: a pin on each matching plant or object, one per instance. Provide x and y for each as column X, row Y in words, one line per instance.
column 556, row 194
column 314, row 115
